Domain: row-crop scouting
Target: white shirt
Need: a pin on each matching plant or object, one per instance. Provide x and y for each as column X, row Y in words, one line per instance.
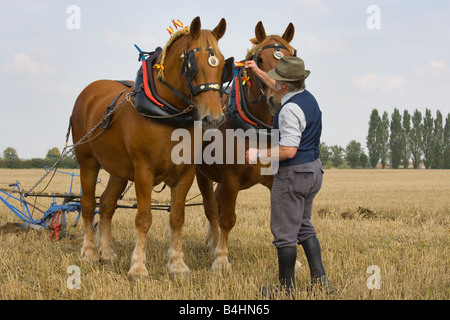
column 291, row 122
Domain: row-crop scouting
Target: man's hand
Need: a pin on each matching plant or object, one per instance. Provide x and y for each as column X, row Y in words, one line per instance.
column 251, row 155
column 260, row 73
column 250, row 64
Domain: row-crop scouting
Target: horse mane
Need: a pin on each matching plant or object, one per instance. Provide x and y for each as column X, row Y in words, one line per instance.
column 205, row 38
column 256, row 46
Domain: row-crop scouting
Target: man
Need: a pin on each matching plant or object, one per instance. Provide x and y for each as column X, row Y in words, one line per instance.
column 300, row 173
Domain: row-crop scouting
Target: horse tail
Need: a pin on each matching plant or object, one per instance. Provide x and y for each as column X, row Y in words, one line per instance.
column 69, row 129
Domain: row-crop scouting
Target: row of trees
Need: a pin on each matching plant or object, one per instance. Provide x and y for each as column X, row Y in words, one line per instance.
column 334, row 156
column 393, row 141
column 398, row 139
column 352, row 156
column 11, row 160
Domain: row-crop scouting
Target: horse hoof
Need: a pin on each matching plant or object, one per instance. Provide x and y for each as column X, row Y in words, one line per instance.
column 137, row 272
column 108, row 256
column 221, row 265
column 89, row 254
column 178, row 268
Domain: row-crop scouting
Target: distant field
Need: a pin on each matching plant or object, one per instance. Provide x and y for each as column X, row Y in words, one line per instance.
column 395, row 220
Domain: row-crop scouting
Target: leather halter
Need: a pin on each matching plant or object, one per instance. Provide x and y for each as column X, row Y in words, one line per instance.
column 190, row 70
column 245, row 117
column 260, row 83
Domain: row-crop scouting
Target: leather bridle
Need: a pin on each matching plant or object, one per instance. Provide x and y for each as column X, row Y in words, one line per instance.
column 190, row 70
column 277, row 54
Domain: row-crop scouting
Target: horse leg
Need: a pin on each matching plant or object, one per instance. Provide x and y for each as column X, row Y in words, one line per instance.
column 88, row 178
column 211, row 210
column 227, row 194
column 178, row 198
column 143, row 184
column 108, row 204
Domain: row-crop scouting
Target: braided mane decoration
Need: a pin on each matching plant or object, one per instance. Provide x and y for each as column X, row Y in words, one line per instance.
column 162, row 56
column 206, row 38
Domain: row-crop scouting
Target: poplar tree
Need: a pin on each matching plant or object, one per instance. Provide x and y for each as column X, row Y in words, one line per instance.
column 384, row 131
column 415, row 139
column 437, row 148
column 373, row 138
column 427, row 138
column 396, row 139
column 406, row 126
column 446, row 146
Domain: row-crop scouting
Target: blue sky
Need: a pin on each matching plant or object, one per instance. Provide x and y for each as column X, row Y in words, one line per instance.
column 44, row 65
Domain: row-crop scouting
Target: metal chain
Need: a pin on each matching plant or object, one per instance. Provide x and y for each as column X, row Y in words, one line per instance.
column 126, row 190
column 67, row 150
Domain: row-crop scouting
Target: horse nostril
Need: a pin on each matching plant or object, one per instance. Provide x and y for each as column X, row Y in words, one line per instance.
column 208, row 122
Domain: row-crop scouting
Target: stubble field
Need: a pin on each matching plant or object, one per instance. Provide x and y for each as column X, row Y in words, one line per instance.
column 384, row 235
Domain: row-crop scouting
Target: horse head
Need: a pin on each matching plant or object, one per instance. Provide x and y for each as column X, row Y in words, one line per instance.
column 266, row 53
column 193, row 65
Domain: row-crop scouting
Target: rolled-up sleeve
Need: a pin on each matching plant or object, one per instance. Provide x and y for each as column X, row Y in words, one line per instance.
column 292, row 123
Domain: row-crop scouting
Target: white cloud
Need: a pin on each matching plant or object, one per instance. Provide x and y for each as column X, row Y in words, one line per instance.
column 312, row 6
column 392, row 82
column 434, row 68
column 373, row 82
column 326, row 44
column 437, row 65
column 21, row 63
column 368, row 82
column 143, row 40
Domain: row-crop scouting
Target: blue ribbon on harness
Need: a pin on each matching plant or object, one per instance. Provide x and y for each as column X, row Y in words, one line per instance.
column 141, row 53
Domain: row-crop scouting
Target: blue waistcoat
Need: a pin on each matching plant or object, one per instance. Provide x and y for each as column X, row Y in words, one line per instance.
column 308, row 150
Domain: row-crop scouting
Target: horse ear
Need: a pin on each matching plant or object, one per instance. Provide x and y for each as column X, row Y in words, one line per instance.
column 219, row 31
column 260, row 32
column 289, row 33
column 194, row 28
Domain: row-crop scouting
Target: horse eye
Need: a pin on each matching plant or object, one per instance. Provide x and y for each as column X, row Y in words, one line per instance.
column 260, row 60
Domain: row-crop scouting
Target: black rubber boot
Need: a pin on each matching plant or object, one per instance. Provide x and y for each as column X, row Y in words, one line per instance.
column 286, row 268
column 311, row 246
column 286, row 275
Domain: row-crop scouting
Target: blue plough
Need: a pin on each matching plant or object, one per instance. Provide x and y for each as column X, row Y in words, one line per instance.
column 53, row 219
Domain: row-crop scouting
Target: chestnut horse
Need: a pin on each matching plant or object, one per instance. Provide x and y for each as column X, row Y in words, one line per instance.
column 262, row 103
column 138, row 148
